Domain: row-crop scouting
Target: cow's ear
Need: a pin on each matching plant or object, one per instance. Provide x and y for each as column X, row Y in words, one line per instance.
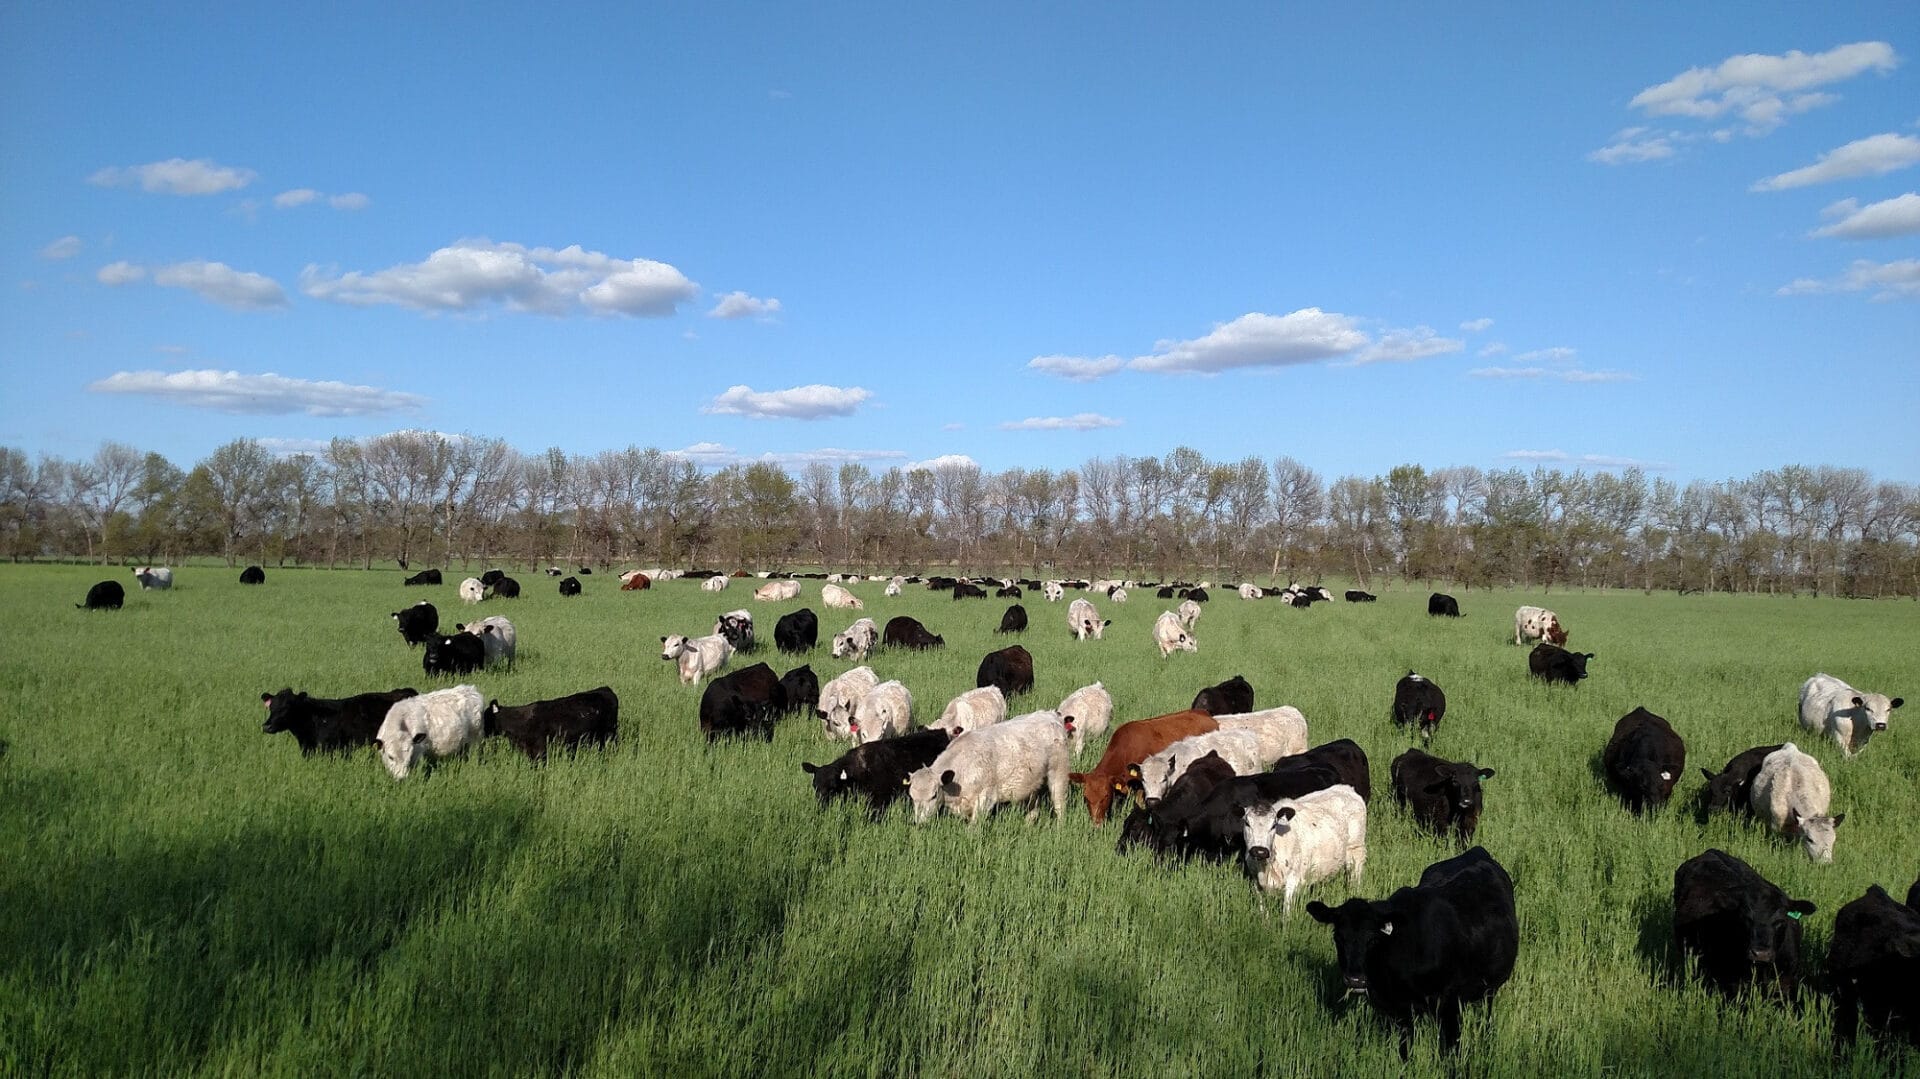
column 1592, row 655
column 419, row 737
column 1707, row 774
column 1801, row 908
column 809, row 768
column 1859, row 702
column 266, row 698
column 1486, row 773
column 1077, row 778
column 1284, row 813
column 1896, row 702
column 1386, row 929
column 1319, row 912
column 1107, row 623
column 1839, row 819
column 663, row 640
column 1133, row 770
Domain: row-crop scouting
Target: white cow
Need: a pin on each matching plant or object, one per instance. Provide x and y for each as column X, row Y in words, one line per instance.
column 894, row 586
column 1171, row 635
column 1849, row 716
column 972, row 710
column 1189, row 613
column 1053, row 590
column 472, row 591
column 835, row 596
column 1250, row 591
column 430, row 726
column 496, row 636
column 776, row 591
column 1532, row 625
column 698, row 656
column 839, row 697
column 886, row 711
column 856, row 640
column 1090, row 710
column 1282, row 731
column 1118, row 595
column 716, row 583
column 1007, row 762
column 1295, row 842
column 155, row 577
column 1159, row 772
column 1792, row 793
column 1083, row 620
column 835, row 578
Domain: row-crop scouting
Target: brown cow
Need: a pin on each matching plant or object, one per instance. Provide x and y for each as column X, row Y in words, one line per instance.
column 638, row 582
column 1132, row 743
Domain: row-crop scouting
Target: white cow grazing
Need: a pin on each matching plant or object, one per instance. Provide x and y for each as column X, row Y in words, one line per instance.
column 1189, row 613
column 430, row 726
column 856, row 640
column 156, row 577
column 835, row 578
column 972, row 710
column 716, row 583
column 1171, row 635
column 1159, row 772
column 496, row 635
column 1083, row 620
column 698, row 656
column 1250, row 591
column 1849, row 716
column 839, row 697
column 1007, row 762
column 472, row 591
column 1090, row 710
column 835, row 596
column 1282, row 731
column 886, row 711
column 1792, row 793
column 894, row 586
column 1534, row 624
column 1053, row 590
column 1295, row 842
column 1118, row 595
column 775, row 591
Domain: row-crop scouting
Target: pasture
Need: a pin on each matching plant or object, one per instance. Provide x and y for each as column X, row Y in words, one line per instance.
column 182, row 895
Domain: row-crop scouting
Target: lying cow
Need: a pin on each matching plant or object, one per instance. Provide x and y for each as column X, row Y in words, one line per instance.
column 835, row 596
column 589, row 718
column 253, row 575
column 1849, row 716
column 1442, row 605
column 425, row 576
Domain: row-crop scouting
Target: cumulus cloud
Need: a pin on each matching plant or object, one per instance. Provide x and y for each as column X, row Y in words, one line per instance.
column 222, row 284
column 352, row 200
column 473, row 275
column 268, row 394
column 1597, row 460
column 1874, row 155
column 741, row 305
column 176, row 176
column 1400, row 346
column 953, row 427
column 1898, row 216
column 945, row 460
column 1083, row 421
column 1886, row 280
column 1478, row 325
column 1259, row 340
column 120, row 273
column 814, row 402
column 1760, row 88
column 1497, row 348
column 719, row 455
column 1637, row 144
column 1076, row 368
column 1556, row 354
column 65, row 247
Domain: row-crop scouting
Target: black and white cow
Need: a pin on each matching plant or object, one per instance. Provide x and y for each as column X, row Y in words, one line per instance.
column 461, row 653
column 1739, row 926
column 1643, row 760
column 589, row 718
column 569, row 586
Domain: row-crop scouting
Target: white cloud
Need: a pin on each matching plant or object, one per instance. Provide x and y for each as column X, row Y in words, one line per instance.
column 1497, row 348
column 287, row 447
column 1401, row 346
column 65, row 247
column 740, row 305
column 299, row 196
column 719, row 455
column 1556, row 354
column 1076, row 368
column 1596, row 460
column 1535, row 455
column 120, row 273
column 1083, row 421
column 1259, row 340
column 1887, row 281
column 222, row 284
column 1875, row 155
column 1637, row 144
column 478, row 274
column 953, row 427
column 813, row 402
column 352, row 200
column 1560, row 364
column 1898, row 216
column 1761, row 89
column 268, row 394
column 945, row 460
column 1477, row 325
column 176, row 176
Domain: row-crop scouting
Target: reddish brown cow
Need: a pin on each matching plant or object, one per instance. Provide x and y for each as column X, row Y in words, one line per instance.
column 639, row 582
column 1132, row 743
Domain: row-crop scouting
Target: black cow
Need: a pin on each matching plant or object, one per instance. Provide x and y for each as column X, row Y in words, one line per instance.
column 506, row 588
column 1552, row 663
column 1447, row 942
column 417, row 623
column 940, row 584
column 1215, row 829
column 1014, row 621
column 105, row 596
column 802, row 687
column 1354, row 595
column 1419, row 700
column 1298, row 599
column 324, row 724
column 488, row 578
column 569, row 586
column 743, row 703
column 1443, row 795
column 963, row 590
column 1913, row 895
column 253, row 575
column 1729, row 790
column 1737, row 924
column 1643, row 760
column 1442, row 604
column 554, row 571
column 1873, row 965
column 1229, row 698
column 580, row 718
column 1180, row 803
column 458, row 654
column 425, row 576
column 797, row 631
column 585, row 571
column 1010, row 668
column 905, row 632
column 1011, row 591
column 1164, row 593
column 1198, row 595
column 877, row 770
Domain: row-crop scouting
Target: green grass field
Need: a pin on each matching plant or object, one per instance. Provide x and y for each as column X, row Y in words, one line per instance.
column 182, row 895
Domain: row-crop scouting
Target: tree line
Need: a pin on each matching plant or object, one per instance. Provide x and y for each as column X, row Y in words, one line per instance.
column 426, row 498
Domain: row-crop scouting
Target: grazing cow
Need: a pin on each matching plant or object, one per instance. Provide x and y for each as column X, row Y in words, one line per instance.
column 1083, row 620
column 966, row 590
column 496, row 634
column 796, row 631
column 1156, row 775
column 1249, row 590
column 1054, row 591
column 635, row 582
column 1165, row 592
column 506, row 588
column 570, row 586
column 1213, row 829
column 1533, row 624
column 1873, row 965
column 570, row 721
column 324, row 724
column 253, row 575
column 158, row 578
column 1355, row 595
column 424, row 728
column 1419, row 700
column 835, row 596
column 1850, row 716
column 1731, row 789
column 856, row 640
column 1133, row 743
column 1643, row 760
column 838, row 699
column 972, row 710
column 894, row 587
column 1189, row 613
column 697, row 656
column 803, row 689
column 472, row 591
column 1011, row 669
column 1792, row 793
column 1737, row 925
column 1431, row 949
column 1293, row 842
column 1006, row 762
column 1552, row 663
column 1087, row 712
column 1444, row 796
column 743, row 703
column 554, row 571
column 585, row 571
column 1118, row 595
column 1014, row 621
column 1442, row 604
column 425, row 576
column 492, row 577
column 461, row 653
column 1280, row 732
column 777, row 591
column 716, row 583
column 737, row 628
column 1011, row 591
column 104, row 596
column 905, row 632
column 1158, row 828
column 877, row 770
column 886, row 710
column 1170, row 635
column 1231, row 697
column 1198, row 595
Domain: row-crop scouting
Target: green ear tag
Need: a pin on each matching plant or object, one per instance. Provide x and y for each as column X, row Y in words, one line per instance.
column 1794, row 914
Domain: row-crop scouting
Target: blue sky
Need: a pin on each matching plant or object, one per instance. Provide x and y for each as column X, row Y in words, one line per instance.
column 1484, row 235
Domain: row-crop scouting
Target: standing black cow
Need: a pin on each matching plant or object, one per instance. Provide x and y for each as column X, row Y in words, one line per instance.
column 506, row 588
column 417, row 623
column 1216, row 829
column 1419, row 700
column 1444, row 796
column 877, row 770
column 1010, row 668
column 905, row 632
column 105, row 596
column 322, row 724
column 425, row 576
column 802, row 688
column 592, row 717
column 488, row 578
column 253, row 575
column 1730, row 789
column 1442, row 604
column 1643, row 760
column 1014, row 621
column 1198, row 595
column 1552, row 663
column 797, row 631
column 458, row 654
column 1229, row 698
column 1736, row 923
column 743, row 703
column 570, row 586
column 1873, row 965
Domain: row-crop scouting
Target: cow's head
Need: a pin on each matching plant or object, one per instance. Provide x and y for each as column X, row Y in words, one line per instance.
column 672, row 647
column 280, row 708
column 1817, row 834
column 1267, row 826
column 402, row 745
column 1460, row 784
column 927, row 788
column 1554, row 632
column 829, row 780
column 1773, row 926
column 1359, row 925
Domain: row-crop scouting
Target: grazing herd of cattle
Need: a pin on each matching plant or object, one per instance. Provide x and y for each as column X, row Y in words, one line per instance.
column 1219, row 781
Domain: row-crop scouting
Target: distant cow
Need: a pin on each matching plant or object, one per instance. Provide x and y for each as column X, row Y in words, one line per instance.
column 838, row 699
column 324, row 724
column 1418, row 701
column 1873, row 965
column 589, row 718
column 1249, row 590
column 1552, row 663
column 1054, row 591
column 697, row 656
column 744, row 703
column 1083, row 620
column 1189, row 613
column 1739, row 927
column 1014, row 621
column 104, row 596
column 417, row 623
column 972, row 710
column 1643, row 760
column 636, row 582
column 777, row 591
column 968, row 590
column 1732, row 788
column 803, row 689
column 835, row 596
column 159, row 578
column 1355, row 595
column 472, row 591
column 905, row 632
column 420, row 729
column 1087, row 711
column 1791, row 793
column 1231, row 697
column 716, row 583
column 1442, row 604
column 492, row 577
column 569, row 586
column 253, row 575
column 461, row 653
column 1010, row 668
column 1444, row 796
column 877, row 771
column 506, row 588
column 1293, row 842
column 1133, row 743
column 796, row 631
column 1537, row 624
column 1170, row 635
column 425, row 576
column 1198, row 595
column 1011, row 591
column 1848, row 715
column 856, row 640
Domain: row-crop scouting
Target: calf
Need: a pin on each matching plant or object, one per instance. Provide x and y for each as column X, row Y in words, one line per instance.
column 1444, row 796
column 887, row 709
column 1792, row 793
column 697, row 656
column 1083, row 620
column 461, row 653
column 572, row 721
column 425, row 576
column 635, row 582
column 569, row 586
column 743, row 703
column 1293, row 842
column 1355, row 595
column 737, row 628
column 328, row 724
column 802, row 687
column 1171, row 635
column 796, row 631
column 253, row 575
column 417, row 623
column 1007, row 762
column 496, row 636
column 1552, row 663
column 1014, row 621
column 1848, row 715
column 158, row 578
column 879, row 770
column 472, row 591
column 1441, row 604
column 1231, row 697
column 1158, row 828
column 105, row 596
column 972, row 710
column 1873, row 965
column 1010, row 668
column 1731, row 789
column 1418, row 700
column 1447, row 942
column 905, row 632
column 1537, row 624
column 1643, row 760
column 1131, row 744
column 1188, row 612
column 838, row 699
column 1087, row 712
column 835, row 596
column 1738, row 926
column 420, row 729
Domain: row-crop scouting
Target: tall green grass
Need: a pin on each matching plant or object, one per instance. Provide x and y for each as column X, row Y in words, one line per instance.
column 182, row 895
